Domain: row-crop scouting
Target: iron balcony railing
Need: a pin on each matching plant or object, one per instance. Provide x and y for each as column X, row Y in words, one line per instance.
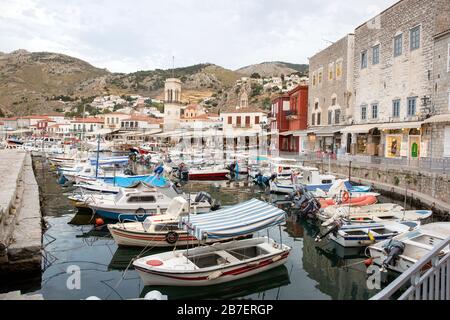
column 433, row 284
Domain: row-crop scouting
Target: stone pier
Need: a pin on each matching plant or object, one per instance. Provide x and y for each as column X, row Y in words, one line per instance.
column 20, row 215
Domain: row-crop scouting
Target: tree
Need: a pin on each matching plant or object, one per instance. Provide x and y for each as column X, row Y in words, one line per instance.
column 255, row 75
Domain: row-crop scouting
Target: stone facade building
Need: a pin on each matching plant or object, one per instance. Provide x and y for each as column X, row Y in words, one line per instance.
column 330, row 94
column 436, row 129
column 393, row 79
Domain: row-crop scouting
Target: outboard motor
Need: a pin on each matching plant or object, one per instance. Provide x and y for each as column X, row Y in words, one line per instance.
column 393, row 248
column 305, row 203
column 335, row 226
column 205, row 196
column 183, row 172
column 128, row 172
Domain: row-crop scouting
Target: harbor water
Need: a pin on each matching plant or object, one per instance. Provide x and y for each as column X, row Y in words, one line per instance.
column 72, row 244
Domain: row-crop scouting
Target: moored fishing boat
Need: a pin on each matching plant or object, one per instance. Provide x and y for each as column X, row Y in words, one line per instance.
column 402, row 251
column 357, row 235
column 370, row 213
column 220, row 262
column 157, row 231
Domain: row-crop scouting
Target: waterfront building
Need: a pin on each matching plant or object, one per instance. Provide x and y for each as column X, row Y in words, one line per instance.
column 393, row 80
column 243, row 127
column 297, row 117
column 140, row 123
column 279, row 124
column 113, row 120
column 330, row 95
column 87, row 125
column 436, row 129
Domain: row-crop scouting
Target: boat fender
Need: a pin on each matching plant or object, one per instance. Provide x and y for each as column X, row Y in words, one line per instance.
column 275, row 259
column 253, row 264
column 215, row 275
column 171, row 237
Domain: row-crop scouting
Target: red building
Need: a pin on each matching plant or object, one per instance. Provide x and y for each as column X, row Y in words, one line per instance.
column 280, row 124
column 297, row 116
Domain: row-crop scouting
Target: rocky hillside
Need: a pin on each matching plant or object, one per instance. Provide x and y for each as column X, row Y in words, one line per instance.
column 39, row 82
column 274, row 69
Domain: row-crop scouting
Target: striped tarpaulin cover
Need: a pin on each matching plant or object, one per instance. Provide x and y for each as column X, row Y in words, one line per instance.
column 238, row 220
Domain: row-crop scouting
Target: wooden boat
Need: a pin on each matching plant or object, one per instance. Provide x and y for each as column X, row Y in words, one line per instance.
column 356, row 201
column 371, row 213
column 402, row 251
column 357, row 235
column 209, row 265
column 157, row 231
column 220, row 262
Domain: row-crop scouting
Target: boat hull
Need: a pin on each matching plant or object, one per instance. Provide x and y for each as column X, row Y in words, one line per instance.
column 232, row 273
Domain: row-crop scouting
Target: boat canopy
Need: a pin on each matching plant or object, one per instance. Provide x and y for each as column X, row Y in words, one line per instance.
column 241, row 219
column 135, row 182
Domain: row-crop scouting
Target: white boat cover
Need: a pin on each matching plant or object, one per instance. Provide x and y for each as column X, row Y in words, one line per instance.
column 241, row 219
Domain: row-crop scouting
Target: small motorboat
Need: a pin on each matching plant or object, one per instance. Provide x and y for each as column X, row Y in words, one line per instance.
column 371, row 213
column 208, row 173
column 345, row 211
column 403, row 251
column 220, row 262
column 139, row 202
column 214, row 264
column 361, row 235
column 157, row 231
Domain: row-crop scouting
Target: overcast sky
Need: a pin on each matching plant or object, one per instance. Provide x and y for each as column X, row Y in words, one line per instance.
column 126, row 36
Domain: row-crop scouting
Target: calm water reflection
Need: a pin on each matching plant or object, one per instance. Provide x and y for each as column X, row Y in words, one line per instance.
column 313, row 270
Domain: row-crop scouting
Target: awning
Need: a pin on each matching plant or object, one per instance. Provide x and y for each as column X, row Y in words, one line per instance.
column 102, row 132
column 328, row 131
column 400, row 125
column 241, row 219
column 360, row 128
column 439, row 118
column 287, row 133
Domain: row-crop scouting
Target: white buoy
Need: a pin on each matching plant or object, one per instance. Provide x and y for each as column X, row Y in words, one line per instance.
column 155, row 295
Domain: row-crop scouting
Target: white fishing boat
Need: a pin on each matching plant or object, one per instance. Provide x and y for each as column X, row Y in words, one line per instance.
column 157, row 231
column 138, row 202
column 308, row 177
column 220, row 262
column 402, row 251
column 357, row 235
column 371, row 213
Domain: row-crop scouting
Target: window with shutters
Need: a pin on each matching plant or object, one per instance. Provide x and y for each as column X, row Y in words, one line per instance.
column 337, row 116
column 363, row 112
column 247, row 121
column 230, row 120
column 376, row 54
column 414, row 35
column 364, row 59
column 398, row 45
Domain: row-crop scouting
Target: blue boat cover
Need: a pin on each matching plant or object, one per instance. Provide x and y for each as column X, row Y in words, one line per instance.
column 241, row 219
column 126, row 182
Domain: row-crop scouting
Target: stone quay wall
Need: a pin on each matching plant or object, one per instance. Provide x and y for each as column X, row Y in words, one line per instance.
column 20, row 215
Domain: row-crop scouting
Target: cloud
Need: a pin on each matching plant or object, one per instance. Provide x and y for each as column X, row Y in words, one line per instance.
column 129, row 36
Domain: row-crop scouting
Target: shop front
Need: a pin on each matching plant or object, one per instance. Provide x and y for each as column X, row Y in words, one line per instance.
column 402, row 140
